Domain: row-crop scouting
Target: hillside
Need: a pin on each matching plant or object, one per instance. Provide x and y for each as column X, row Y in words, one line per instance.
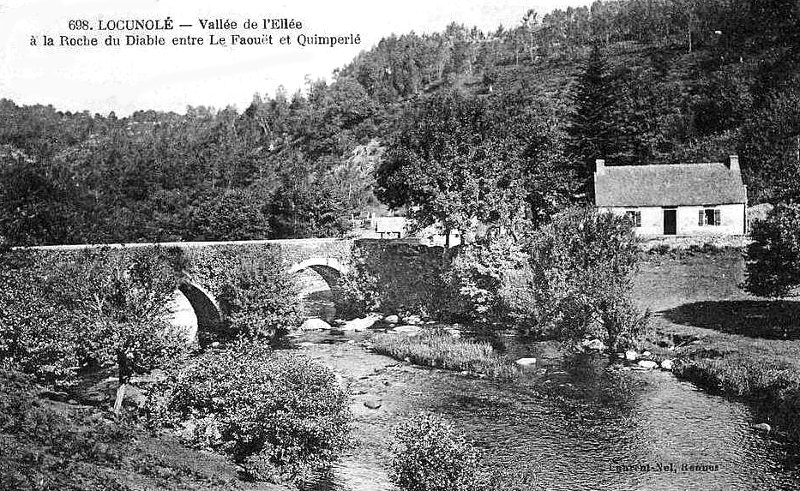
column 679, row 80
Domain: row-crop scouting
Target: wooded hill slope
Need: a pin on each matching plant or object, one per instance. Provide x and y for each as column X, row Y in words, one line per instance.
column 632, row 81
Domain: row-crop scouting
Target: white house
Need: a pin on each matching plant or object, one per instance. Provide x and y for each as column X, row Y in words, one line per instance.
column 675, row 199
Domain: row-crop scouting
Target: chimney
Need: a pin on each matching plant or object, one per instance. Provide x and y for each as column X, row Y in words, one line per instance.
column 733, row 163
column 600, row 167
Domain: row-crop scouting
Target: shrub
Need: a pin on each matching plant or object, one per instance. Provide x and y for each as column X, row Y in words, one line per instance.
column 773, row 258
column 36, row 336
column 356, row 293
column 258, row 301
column 276, row 413
column 431, row 456
column 581, row 272
column 477, row 274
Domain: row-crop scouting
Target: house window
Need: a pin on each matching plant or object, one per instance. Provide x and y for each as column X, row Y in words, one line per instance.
column 635, row 217
column 709, row 217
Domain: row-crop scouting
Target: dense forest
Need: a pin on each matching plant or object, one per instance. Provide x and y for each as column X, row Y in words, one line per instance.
column 457, row 126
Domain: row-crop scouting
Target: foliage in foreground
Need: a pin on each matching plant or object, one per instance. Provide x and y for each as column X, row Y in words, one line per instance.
column 582, row 268
column 441, row 350
column 62, row 314
column 279, row 415
column 431, row 455
column 773, row 258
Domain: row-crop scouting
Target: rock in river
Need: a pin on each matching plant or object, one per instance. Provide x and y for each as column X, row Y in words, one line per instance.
column 373, row 402
column 361, row 324
column 666, row 364
column 631, row 355
column 314, row 324
column 648, row 364
column 407, row 330
column 526, row 361
column 391, row 319
column 762, row 427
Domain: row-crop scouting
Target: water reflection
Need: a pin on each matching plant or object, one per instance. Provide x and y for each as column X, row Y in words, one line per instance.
column 580, row 423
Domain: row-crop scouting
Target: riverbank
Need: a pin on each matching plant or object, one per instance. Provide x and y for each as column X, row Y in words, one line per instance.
column 724, row 340
column 565, row 425
column 50, row 444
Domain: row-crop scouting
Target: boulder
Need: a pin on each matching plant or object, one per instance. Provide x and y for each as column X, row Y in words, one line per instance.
column 526, row 361
column 647, row 364
column 407, row 330
column 631, row 355
column 134, row 396
column 593, row 345
column 54, row 395
column 373, row 402
column 361, row 324
column 314, row 324
column 392, row 319
column 666, row 364
column 94, row 397
column 414, row 320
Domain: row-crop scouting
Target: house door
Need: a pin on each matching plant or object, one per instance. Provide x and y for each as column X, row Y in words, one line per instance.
column 670, row 222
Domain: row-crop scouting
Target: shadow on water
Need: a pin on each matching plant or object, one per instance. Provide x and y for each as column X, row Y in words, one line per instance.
column 765, row 319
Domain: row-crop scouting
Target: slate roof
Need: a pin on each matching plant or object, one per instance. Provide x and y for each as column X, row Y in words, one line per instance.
column 669, row 185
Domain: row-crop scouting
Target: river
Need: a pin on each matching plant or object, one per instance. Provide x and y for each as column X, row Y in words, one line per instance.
column 575, row 423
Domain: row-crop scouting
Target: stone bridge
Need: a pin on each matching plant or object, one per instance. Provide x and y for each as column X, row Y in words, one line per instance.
column 407, row 275
column 329, row 258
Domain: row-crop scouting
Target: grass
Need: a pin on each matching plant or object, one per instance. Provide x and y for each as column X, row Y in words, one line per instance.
column 441, row 350
column 723, row 339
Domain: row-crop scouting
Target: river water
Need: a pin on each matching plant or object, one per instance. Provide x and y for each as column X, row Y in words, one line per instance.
column 572, row 423
column 575, row 423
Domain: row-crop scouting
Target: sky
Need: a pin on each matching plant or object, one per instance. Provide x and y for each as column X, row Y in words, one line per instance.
column 170, row 78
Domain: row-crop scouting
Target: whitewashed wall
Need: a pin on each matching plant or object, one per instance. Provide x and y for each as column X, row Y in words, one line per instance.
column 732, row 219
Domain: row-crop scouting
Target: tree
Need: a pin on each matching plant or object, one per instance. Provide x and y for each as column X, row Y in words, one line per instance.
column 582, row 266
column 451, row 165
column 235, row 214
column 121, row 298
column 590, row 125
column 773, row 258
column 771, row 148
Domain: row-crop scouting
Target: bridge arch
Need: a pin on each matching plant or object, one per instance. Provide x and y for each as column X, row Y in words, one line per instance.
column 329, row 268
column 206, row 308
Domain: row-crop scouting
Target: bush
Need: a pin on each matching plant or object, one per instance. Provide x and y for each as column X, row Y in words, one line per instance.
column 258, row 301
column 356, row 293
column 773, row 258
column 278, row 414
column 36, row 336
column 581, row 273
column 431, row 456
column 477, row 274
